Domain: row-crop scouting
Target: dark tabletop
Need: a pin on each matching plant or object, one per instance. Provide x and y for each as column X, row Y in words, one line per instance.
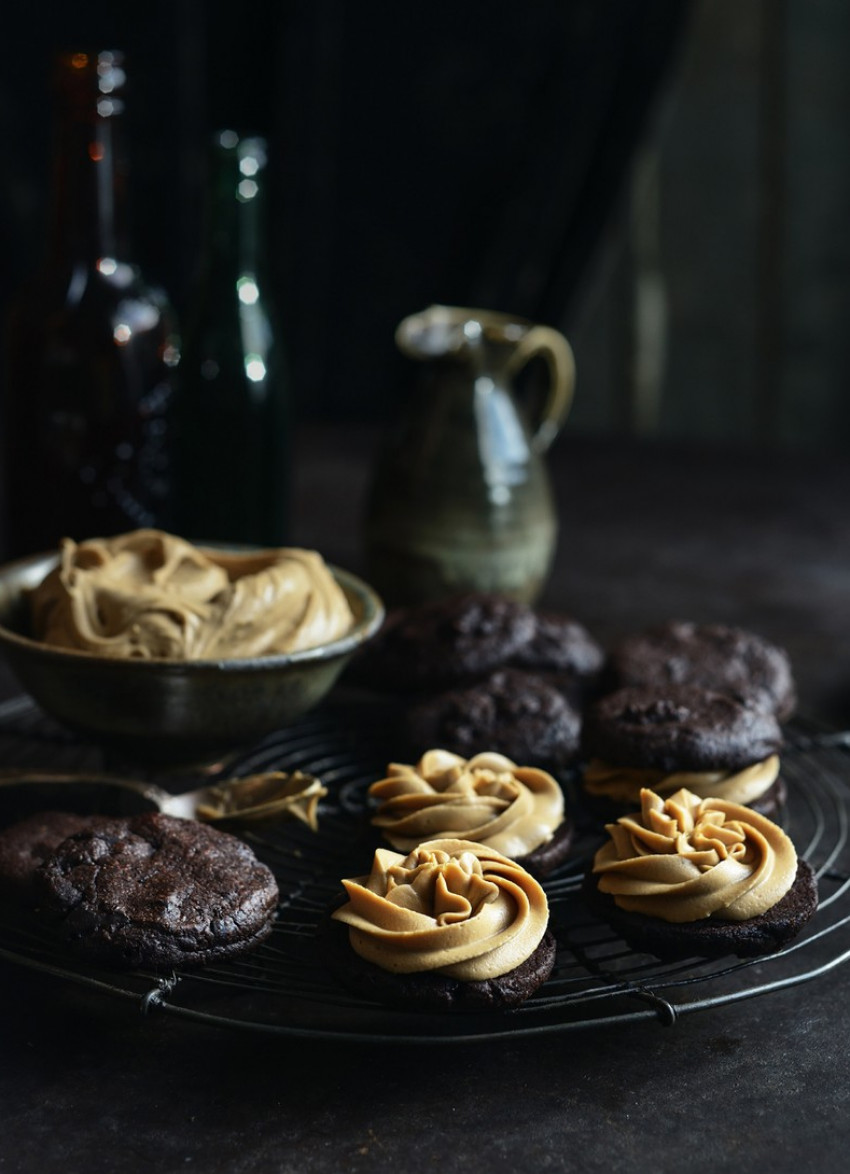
column 758, row 539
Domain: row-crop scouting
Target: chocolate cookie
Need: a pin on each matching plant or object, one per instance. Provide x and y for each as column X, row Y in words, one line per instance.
column 451, row 925
column 771, row 801
column 26, row 844
column 711, row 937
column 712, row 656
column 679, row 736
column 429, row 991
column 511, row 712
column 155, row 891
column 678, row 728
column 437, row 645
column 562, row 650
column 549, row 856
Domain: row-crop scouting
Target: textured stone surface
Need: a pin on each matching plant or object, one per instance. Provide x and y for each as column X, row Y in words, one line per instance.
column 759, row 1084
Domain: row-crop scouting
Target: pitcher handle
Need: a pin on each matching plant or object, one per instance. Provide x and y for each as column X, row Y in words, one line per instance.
column 551, row 346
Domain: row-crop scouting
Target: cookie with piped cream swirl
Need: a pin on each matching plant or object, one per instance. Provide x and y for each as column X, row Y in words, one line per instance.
column 518, row 810
column 691, row 876
column 452, row 925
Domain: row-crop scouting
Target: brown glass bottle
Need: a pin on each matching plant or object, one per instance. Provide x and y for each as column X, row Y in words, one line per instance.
column 91, row 349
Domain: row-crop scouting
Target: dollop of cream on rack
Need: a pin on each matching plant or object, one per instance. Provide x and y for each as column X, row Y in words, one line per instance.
column 487, row 798
column 149, row 594
column 450, row 906
column 686, row 858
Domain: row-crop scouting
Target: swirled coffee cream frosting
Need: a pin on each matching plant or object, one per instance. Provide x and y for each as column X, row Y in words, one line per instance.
column 451, row 909
column 148, row 594
column 487, row 798
column 623, row 784
column 691, row 876
column 687, row 858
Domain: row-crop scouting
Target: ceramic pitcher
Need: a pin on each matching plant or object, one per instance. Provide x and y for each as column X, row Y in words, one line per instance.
column 461, row 498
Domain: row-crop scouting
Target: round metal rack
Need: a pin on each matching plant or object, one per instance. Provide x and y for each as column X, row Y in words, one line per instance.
column 283, row 989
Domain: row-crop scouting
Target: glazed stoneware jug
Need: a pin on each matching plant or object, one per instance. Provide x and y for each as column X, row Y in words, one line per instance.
column 461, row 498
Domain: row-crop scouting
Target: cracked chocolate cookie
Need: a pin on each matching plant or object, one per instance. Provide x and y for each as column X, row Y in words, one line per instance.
column 711, row 656
column 679, row 736
column 564, row 652
column 155, row 891
column 514, row 713
column 437, row 645
column 27, row 843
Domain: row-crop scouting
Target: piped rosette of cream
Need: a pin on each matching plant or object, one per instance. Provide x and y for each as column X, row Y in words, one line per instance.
column 517, row 810
column 680, row 736
column 687, row 875
column 452, row 925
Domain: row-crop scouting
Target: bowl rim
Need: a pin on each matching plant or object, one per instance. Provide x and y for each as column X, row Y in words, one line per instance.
column 353, row 585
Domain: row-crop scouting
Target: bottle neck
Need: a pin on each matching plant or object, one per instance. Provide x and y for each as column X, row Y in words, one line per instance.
column 88, row 219
column 236, row 228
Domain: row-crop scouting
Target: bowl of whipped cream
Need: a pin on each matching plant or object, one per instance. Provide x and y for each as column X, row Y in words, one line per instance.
column 171, row 653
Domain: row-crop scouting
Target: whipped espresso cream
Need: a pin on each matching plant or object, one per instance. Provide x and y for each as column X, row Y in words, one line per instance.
column 487, row 798
column 450, row 906
column 148, row 594
column 623, row 784
column 685, row 858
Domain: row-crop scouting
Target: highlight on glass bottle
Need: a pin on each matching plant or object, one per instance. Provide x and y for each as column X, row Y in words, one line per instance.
column 233, row 465
column 91, row 349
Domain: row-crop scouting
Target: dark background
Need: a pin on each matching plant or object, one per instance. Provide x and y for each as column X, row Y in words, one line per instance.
column 469, row 153
column 442, row 152
column 665, row 180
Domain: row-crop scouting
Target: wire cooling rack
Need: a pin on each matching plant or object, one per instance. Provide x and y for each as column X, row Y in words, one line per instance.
column 282, row 988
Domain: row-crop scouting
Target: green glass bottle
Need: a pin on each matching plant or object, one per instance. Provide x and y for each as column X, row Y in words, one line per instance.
column 232, row 460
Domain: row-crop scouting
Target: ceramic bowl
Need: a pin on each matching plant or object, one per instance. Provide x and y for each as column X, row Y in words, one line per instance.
column 173, row 712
